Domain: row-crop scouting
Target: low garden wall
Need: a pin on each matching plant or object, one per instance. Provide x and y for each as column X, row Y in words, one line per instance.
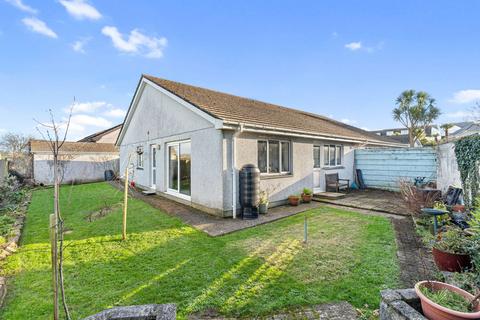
column 402, row 304
column 143, row 312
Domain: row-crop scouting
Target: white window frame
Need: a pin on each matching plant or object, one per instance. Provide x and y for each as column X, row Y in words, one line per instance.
column 320, row 156
column 280, row 164
column 170, row 191
column 342, row 155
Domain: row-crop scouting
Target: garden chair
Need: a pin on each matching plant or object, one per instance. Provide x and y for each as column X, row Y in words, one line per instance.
column 332, row 181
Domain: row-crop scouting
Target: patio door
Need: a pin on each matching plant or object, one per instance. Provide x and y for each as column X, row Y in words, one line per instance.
column 317, row 187
column 153, row 166
column 179, row 166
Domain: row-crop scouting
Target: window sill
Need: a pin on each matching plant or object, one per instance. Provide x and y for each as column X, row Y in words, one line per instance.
column 266, row 176
column 333, row 168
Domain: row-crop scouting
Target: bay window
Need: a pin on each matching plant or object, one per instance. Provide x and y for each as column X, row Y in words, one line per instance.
column 274, row 156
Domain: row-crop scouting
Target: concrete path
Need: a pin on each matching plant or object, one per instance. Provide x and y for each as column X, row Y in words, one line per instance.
column 215, row 226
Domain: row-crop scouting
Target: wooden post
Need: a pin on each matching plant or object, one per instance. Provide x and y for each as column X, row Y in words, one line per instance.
column 53, row 247
column 305, row 229
column 125, row 202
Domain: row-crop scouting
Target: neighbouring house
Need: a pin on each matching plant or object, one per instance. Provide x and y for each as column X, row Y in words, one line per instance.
column 106, row 136
column 467, row 129
column 432, row 134
column 188, row 143
column 80, row 162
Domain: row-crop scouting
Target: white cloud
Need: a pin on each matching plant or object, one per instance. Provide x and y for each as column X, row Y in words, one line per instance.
column 80, row 9
column 466, row 96
column 137, row 43
column 20, row 5
column 79, row 45
column 38, row 26
column 348, row 121
column 87, row 107
column 354, row 46
column 359, row 46
column 87, row 120
column 334, row 35
column 115, row 113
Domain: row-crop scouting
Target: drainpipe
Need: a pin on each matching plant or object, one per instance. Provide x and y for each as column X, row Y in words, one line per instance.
column 234, row 175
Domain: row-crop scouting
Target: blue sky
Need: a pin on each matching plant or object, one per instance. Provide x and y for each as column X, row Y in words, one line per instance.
column 345, row 59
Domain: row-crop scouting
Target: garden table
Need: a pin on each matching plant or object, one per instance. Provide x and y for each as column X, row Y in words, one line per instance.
column 435, row 213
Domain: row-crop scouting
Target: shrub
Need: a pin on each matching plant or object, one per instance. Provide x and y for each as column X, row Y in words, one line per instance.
column 6, row 223
column 416, row 199
column 307, row 191
column 454, row 240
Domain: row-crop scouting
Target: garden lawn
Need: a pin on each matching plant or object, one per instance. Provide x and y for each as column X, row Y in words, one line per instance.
column 257, row 271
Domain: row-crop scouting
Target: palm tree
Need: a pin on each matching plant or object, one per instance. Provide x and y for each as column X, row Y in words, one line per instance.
column 415, row 110
column 446, row 127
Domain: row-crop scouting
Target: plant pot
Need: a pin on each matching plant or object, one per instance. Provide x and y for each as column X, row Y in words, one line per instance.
column 293, row 200
column 306, row 198
column 458, row 208
column 452, row 262
column 263, row 208
column 437, row 312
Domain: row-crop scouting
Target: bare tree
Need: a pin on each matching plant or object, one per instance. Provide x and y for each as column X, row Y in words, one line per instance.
column 16, row 147
column 51, row 132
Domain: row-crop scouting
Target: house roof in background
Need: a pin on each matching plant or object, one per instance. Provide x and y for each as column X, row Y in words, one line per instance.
column 235, row 109
column 42, row 146
column 471, row 128
column 98, row 135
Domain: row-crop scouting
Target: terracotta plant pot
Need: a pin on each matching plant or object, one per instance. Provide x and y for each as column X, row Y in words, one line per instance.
column 452, row 262
column 437, row 312
column 458, row 208
column 293, row 200
column 306, row 198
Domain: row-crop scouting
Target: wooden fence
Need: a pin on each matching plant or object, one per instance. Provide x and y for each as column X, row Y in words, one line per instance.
column 385, row 168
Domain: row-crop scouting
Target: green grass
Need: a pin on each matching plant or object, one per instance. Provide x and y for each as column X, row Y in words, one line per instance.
column 256, row 271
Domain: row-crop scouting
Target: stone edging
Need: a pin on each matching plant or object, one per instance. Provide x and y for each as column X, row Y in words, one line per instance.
column 11, row 245
column 400, row 304
column 148, row 311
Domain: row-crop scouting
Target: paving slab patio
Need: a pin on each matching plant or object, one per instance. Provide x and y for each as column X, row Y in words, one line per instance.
column 370, row 199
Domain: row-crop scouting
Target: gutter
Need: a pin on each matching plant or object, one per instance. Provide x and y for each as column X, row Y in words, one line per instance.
column 302, row 134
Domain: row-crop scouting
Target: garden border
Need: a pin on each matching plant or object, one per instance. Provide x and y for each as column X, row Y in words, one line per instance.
column 12, row 243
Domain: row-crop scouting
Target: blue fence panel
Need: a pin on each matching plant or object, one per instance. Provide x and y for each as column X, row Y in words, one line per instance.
column 385, row 168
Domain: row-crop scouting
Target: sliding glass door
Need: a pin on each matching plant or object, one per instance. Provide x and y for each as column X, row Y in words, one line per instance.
column 179, row 165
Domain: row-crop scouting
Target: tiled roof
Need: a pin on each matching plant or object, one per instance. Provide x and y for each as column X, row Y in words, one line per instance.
column 74, row 147
column 236, row 109
column 98, row 135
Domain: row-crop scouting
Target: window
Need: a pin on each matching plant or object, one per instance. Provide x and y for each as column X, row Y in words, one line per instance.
column 274, row 156
column 140, row 157
column 332, row 155
column 316, row 156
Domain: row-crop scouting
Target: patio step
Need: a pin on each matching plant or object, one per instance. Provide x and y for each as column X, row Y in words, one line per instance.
column 149, row 192
column 329, row 195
